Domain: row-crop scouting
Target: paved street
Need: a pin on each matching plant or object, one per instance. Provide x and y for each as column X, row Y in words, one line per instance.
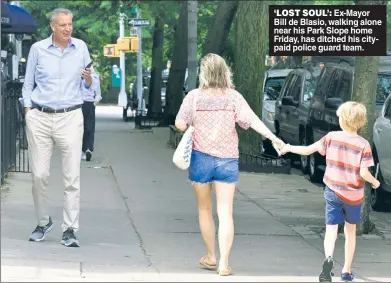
column 139, row 221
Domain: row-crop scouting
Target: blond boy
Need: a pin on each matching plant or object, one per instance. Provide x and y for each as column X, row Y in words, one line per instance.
column 348, row 157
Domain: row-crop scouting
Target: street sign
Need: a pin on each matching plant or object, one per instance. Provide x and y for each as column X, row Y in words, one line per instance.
column 138, row 22
column 133, row 10
column 116, row 76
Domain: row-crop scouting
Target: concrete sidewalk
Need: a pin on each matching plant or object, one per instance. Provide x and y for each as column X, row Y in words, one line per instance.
column 139, row 221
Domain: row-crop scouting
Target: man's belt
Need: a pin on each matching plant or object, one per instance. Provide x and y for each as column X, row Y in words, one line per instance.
column 51, row 110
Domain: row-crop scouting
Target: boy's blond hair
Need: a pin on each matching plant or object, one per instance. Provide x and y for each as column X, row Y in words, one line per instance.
column 353, row 115
column 215, row 72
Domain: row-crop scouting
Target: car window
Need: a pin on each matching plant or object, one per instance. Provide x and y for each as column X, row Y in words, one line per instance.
column 383, row 88
column 309, row 89
column 288, row 84
column 273, row 87
column 387, row 113
column 296, row 89
column 345, row 89
column 322, row 86
column 334, row 82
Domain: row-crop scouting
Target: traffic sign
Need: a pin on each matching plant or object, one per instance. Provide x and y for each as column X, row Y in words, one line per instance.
column 109, row 50
column 139, row 22
column 116, row 76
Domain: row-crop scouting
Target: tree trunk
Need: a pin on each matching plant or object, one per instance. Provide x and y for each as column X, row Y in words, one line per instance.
column 192, row 16
column 218, row 33
column 389, row 26
column 155, row 88
column 250, row 54
column 174, row 95
column 364, row 91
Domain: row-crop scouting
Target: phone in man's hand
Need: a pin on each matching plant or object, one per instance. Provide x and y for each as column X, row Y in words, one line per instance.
column 88, row 66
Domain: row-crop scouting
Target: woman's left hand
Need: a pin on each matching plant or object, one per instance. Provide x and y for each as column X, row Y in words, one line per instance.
column 278, row 143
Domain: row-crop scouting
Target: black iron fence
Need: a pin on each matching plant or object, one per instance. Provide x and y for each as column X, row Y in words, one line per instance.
column 145, row 120
column 14, row 155
column 247, row 162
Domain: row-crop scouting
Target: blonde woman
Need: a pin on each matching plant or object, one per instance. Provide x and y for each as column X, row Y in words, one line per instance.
column 218, row 107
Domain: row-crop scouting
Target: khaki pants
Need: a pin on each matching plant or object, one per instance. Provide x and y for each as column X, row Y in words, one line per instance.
column 65, row 130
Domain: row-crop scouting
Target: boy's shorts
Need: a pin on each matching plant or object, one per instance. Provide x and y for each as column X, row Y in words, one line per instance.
column 338, row 211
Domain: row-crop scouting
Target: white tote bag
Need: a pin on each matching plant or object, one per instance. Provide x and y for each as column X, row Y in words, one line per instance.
column 182, row 154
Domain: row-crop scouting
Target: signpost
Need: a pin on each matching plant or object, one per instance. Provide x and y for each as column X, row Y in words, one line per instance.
column 122, row 98
column 139, row 23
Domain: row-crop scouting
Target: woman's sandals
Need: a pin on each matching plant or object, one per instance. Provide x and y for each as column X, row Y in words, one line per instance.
column 207, row 265
column 225, row 272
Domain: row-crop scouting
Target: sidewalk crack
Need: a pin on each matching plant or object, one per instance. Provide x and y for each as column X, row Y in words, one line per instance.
column 129, row 214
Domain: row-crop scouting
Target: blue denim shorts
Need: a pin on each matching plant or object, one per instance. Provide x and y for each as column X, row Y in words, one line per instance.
column 205, row 168
column 338, row 211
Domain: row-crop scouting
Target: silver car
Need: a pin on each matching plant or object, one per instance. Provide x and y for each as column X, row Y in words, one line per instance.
column 272, row 85
column 382, row 156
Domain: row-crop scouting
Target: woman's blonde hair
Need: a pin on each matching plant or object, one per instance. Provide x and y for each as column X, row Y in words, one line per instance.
column 215, row 72
column 353, row 115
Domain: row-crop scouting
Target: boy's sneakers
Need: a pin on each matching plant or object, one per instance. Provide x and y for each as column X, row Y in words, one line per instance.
column 326, row 274
column 40, row 232
column 347, row 277
column 88, row 155
column 69, row 238
column 83, row 156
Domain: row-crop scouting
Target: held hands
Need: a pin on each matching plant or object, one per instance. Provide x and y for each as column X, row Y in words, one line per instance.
column 376, row 184
column 285, row 149
column 277, row 143
column 86, row 74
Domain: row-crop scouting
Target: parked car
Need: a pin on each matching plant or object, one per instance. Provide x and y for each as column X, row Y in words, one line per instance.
column 382, row 157
column 335, row 86
column 292, row 107
column 272, row 85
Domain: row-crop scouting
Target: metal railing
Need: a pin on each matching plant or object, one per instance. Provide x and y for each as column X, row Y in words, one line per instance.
column 14, row 154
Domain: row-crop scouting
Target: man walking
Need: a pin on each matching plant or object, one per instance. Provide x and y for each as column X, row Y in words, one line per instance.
column 91, row 99
column 52, row 96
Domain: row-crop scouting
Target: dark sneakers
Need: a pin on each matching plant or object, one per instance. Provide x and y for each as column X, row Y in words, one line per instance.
column 347, row 277
column 88, row 155
column 326, row 274
column 69, row 239
column 40, row 233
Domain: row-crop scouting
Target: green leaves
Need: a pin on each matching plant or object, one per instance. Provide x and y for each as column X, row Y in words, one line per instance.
column 105, row 5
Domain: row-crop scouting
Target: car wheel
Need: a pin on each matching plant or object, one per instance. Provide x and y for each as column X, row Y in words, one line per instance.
column 313, row 168
column 304, row 160
column 379, row 197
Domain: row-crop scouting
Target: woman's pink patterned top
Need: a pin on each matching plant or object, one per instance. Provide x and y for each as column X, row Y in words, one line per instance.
column 217, row 112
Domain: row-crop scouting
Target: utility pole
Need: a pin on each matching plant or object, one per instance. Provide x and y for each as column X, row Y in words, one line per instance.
column 17, row 41
column 192, row 15
column 122, row 98
column 139, row 67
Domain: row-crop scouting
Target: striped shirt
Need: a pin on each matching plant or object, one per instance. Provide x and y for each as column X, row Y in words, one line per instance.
column 345, row 155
